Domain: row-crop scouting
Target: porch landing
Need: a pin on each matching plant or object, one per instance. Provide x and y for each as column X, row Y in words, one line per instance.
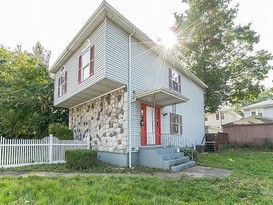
column 164, row 158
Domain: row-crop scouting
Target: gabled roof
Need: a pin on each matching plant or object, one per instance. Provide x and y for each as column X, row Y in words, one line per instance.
column 252, row 120
column 104, row 11
column 266, row 103
column 226, row 109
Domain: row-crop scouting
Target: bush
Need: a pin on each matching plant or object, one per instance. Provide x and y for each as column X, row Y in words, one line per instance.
column 61, row 131
column 268, row 144
column 81, row 159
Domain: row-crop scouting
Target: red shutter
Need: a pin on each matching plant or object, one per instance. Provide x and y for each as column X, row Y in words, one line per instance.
column 59, row 83
column 171, row 124
column 170, row 79
column 179, row 84
column 180, row 124
column 65, row 81
column 92, row 50
column 80, row 69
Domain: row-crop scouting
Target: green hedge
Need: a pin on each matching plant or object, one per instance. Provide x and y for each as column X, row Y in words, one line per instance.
column 81, row 159
column 61, row 131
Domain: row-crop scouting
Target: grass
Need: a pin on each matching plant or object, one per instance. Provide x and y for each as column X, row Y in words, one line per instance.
column 101, row 168
column 251, row 182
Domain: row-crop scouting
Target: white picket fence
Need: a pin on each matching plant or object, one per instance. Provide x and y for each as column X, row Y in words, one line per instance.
column 22, row 152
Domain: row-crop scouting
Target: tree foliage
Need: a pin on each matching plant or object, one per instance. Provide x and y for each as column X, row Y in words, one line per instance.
column 267, row 94
column 26, row 100
column 220, row 52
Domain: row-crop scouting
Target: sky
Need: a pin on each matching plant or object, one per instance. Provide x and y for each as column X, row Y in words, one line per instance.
column 55, row 22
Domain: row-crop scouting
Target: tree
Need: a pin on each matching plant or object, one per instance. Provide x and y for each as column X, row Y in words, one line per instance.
column 221, row 53
column 267, row 94
column 26, row 101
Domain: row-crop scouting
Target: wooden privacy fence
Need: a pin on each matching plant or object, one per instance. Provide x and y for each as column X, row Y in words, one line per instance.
column 22, row 152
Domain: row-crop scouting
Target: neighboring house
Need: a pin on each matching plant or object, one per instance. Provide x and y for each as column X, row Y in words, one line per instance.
column 214, row 121
column 123, row 92
column 264, row 108
column 253, row 130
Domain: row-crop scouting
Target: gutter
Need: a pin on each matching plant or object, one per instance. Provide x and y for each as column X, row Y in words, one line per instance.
column 130, row 97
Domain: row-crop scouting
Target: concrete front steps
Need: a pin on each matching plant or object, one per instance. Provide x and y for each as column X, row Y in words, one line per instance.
column 164, row 158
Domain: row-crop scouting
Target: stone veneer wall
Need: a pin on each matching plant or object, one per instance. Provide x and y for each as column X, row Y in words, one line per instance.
column 105, row 120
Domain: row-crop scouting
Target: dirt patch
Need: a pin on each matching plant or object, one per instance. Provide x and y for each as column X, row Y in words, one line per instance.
column 200, row 171
column 194, row 172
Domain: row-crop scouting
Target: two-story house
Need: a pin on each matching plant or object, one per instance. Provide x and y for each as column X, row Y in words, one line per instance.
column 124, row 92
column 264, row 108
column 215, row 121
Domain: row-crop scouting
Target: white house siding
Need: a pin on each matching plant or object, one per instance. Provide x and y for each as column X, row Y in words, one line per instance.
column 97, row 38
column 116, row 53
column 150, row 71
column 247, row 113
column 267, row 112
column 213, row 125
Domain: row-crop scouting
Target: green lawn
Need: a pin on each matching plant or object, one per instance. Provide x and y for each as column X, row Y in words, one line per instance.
column 251, row 182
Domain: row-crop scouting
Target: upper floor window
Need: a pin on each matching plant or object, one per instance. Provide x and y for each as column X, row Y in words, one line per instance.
column 176, row 124
column 256, row 112
column 62, row 82
column 86, row 62
column 218, row 116
column 174, row 81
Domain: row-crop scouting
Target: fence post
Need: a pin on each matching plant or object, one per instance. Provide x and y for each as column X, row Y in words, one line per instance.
column 88, row 141
column 1, row 154
column 50, row 150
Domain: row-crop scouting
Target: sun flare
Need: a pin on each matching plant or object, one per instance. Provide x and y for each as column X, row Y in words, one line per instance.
column 169, row 40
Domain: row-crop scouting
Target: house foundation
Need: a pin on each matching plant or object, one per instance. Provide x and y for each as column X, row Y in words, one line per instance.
column 104, row 120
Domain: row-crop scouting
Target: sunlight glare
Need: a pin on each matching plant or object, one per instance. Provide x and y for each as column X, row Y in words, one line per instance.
column 169, row 40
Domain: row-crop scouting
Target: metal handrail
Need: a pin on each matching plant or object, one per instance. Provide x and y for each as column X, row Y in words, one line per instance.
column 171, row 140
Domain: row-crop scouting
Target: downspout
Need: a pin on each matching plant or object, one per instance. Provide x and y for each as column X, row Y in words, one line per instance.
column 130, row 98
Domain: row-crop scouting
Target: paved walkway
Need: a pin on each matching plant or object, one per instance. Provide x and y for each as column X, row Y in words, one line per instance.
column 194, row 172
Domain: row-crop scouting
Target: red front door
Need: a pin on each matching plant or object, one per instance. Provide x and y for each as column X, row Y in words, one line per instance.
column 150, row 123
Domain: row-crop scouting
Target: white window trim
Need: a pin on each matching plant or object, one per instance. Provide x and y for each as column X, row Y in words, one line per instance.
column 62, row 84
column 85, row 48
column 257, row 111
column 176, row 81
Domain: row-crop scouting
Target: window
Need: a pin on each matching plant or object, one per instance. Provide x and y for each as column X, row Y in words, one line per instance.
column 176, row 124
column 174, row 81
column 256, row 112
column 222, row 116
column 62, row 82
column 217, row 116
column 206, row 118
column 86, row 62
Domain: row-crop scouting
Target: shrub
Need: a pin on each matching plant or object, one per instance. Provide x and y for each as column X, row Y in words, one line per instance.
column 81, row 159
column 61, row 131
column 268, row 144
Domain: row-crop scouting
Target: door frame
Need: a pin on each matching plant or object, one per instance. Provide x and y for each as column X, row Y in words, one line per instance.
column 143, row 124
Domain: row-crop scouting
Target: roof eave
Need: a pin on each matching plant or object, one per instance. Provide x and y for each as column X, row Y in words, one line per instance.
column 106, row 10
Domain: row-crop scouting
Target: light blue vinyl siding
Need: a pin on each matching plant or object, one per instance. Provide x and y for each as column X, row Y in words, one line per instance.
column 192, row 112
column 97, row 38
column 150, row 71
column 116, row 53
column 267, row 112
